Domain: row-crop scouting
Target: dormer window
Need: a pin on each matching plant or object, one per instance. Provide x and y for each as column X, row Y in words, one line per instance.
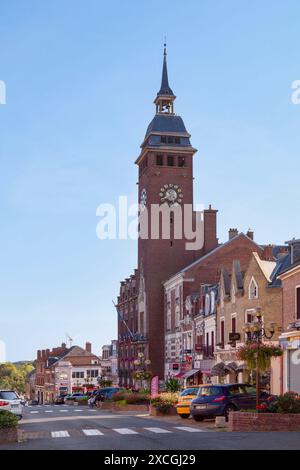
column 253, row 290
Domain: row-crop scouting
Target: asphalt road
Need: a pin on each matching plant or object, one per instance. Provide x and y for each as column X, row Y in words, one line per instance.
column 67, row 427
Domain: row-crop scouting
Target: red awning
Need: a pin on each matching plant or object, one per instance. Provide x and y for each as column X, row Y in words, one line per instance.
column 181, row 374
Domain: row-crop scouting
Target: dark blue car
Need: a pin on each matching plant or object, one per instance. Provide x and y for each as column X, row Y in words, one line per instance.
column 219, row 400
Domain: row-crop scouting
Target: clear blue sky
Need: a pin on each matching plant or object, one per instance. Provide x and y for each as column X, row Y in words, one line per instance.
column 81, row 77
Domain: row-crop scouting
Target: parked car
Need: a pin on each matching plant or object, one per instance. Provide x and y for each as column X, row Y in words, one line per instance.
column 74, row 396
column 10, row 401
column 34, row 402
column 59, row 400
column 219, row 400
column 184, row 401
column 108, row 392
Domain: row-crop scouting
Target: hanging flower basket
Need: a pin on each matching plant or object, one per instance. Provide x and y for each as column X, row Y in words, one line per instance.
column 142, row 375
column 260, row 355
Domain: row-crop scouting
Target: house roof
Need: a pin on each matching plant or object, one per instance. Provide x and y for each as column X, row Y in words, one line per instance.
column 267, row 267
column 218, row 248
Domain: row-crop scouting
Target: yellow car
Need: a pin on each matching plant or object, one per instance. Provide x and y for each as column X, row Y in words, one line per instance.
column 184, row 400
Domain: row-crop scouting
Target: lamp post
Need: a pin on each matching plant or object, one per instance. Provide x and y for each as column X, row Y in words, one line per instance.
column 255, row 333
column 142, row 363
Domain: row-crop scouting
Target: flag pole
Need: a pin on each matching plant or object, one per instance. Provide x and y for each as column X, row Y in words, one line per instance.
column 122, row 319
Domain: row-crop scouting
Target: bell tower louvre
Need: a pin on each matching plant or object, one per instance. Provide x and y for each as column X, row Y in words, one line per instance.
column 165, row 167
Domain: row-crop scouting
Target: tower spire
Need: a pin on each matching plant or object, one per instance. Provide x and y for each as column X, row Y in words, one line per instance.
column 165, row 87
column 165, row 97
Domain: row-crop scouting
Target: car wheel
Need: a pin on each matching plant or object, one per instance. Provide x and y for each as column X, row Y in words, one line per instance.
column 185, row 416
column 227, row 411
column 198, row 418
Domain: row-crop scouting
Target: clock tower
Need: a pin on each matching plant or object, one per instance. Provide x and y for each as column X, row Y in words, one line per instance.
column 165, row 167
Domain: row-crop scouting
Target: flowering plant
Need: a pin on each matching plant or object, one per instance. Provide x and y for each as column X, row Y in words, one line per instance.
column 258, row 354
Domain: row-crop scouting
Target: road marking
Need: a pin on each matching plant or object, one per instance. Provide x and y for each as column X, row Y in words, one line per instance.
column 92, row 432
column 125, row 431
column 60, row 434
column 158, row 430
column 93, row 410
column 78, row 410
column 48, row 411
column 63, row 411
column 185, row 428
column 32, row 412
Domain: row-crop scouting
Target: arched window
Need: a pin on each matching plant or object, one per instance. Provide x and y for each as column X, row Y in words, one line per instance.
column 253, row 289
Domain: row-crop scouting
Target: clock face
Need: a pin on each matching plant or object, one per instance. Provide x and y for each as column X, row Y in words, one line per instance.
column 171, row 193
column 143, row 198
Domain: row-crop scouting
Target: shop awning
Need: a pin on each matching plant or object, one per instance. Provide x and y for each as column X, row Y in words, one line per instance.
column 231, row 367
column 179, row 375
column 190, row 373
column 218, row 369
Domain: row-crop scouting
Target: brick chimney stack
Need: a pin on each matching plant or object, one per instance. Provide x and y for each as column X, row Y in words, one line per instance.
column 88, row 347
column 210, row 229
column 268, row 253
column 233, row 232
column 250, row 234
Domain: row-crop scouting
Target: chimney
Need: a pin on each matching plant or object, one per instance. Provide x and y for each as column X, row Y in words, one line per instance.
column 233, row 232
column 63, row 345
column 47, row 352
column 39, row 355
column 268, row 253
column 43, row 354
column 210, row 229
column 88, row 347
column 250, row 234
column 294, row 246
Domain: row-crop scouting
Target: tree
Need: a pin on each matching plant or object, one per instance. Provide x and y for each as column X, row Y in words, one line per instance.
column 13, row 376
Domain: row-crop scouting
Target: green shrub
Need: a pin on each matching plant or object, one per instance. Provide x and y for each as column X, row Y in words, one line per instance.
column 82, row 399
column 172, row 385
column 121, row 402
column 287, row 403
column 8, row 420
column 119, row 396
column 137, row 398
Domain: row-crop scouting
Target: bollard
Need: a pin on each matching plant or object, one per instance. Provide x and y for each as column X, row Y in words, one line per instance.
column 220, row 422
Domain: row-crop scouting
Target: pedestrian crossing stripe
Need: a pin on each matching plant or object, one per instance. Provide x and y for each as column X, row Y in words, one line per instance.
column 60, row 434
column 92, row 432
column 186, row 428
column 125, row 431
column 158, row 430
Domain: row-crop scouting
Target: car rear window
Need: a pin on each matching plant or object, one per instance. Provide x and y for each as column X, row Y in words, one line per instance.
column 189, row 391
column 210, row 391
column 8, row 396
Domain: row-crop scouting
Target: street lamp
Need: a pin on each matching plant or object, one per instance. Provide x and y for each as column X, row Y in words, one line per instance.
column 255, row 333
column 142, row 364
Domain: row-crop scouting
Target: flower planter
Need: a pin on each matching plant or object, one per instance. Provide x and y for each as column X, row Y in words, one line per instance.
column 261, row 422
column 8, row 435
column 130, row 407
column 153, row 411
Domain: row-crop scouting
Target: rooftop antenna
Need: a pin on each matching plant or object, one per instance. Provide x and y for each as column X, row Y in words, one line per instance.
column 68, row 338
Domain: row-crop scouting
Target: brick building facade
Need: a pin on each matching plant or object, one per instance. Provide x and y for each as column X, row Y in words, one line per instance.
column 65, row 370
column 165, row 166
column 290, row 339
